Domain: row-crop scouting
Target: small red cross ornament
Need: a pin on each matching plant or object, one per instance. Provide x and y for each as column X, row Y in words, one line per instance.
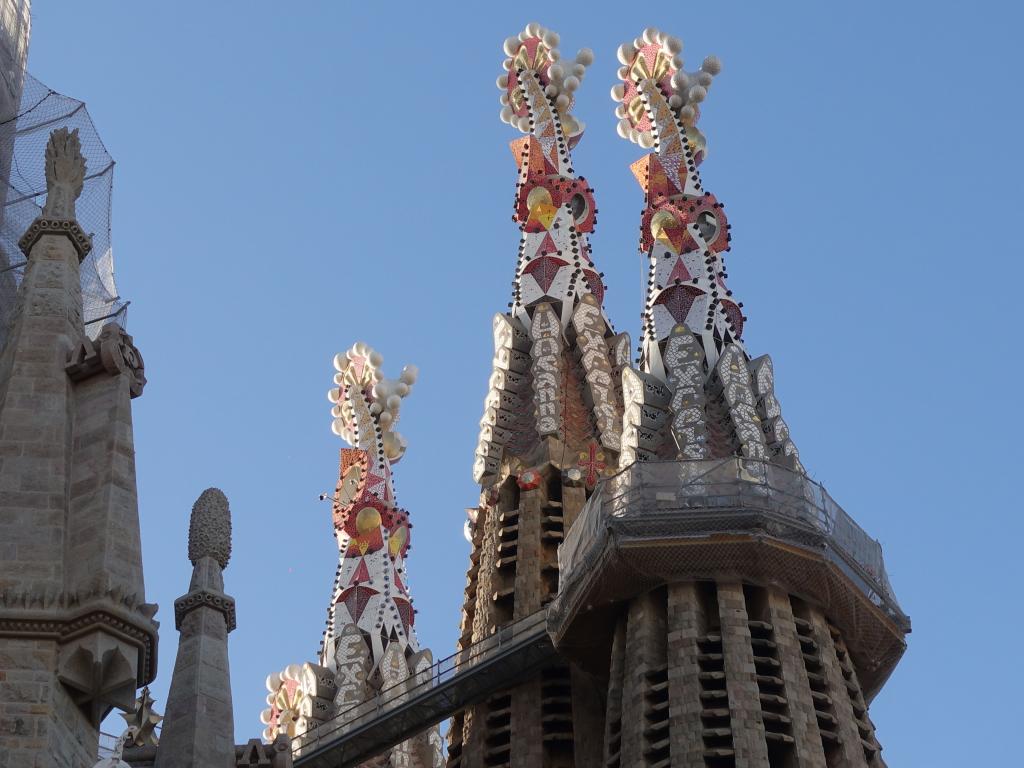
column 592, row 462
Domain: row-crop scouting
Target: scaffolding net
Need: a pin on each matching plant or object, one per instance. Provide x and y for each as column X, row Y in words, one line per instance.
column 22, row 151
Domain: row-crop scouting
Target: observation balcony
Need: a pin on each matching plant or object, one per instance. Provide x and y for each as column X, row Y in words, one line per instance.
column 723, row 519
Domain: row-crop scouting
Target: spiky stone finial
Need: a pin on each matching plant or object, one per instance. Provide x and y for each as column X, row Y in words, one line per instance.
column 65, row 174
column 209, row 532
column 142, row 722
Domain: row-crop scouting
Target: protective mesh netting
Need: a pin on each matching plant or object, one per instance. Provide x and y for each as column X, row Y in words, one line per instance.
column 22, row 151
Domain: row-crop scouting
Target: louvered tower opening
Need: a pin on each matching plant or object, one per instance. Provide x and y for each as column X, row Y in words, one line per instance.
column 504, row 587
column 865, row 728
column 552, row 531
column 497, row 746
column 656, row 703
column 717, row 727
column 556, row 687
column 824, row 708
column 556, row 717
column 613, row 719
column 778, row 725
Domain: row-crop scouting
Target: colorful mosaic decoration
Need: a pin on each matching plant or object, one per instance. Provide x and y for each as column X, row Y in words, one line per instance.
column 692, row 324
column 541, row 388
column 373, row 533
column 684, row 231
column 369, row 642
column 554, row 208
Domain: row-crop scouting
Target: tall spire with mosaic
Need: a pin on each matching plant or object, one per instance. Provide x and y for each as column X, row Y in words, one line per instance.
column 554, row 389
column 552, row 422
column 372, row 531
column 369, row 644
column 697, row 393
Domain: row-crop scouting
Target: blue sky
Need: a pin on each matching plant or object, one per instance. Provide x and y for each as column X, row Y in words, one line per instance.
column 295, row 177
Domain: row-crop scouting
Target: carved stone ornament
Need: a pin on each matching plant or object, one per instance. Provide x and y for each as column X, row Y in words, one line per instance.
column 113, row 351
column 99, row 671
column 199, row 598
column 43, row 226
column 65, row 173
column 209, row 532
column 142, row 721
column 274, row 755
column 142, row 635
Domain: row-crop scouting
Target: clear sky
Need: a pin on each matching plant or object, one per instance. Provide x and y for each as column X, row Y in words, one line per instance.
column 293, row 177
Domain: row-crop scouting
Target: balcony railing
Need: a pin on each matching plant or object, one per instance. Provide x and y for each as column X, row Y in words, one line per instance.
column 704, row 498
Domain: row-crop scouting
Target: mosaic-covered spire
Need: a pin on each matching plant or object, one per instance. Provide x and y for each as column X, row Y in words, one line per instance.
column 684, row 231
column 369, row 644
column 557, row 359
column 554, row 208
column 373, row 533
column 697, row 394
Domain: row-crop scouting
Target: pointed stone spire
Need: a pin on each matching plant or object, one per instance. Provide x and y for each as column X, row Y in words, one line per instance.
column 199, row 722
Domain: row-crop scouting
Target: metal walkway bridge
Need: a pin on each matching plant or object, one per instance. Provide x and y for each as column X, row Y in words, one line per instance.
column 513, row 653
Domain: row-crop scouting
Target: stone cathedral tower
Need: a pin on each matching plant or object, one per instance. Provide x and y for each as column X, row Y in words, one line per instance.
column 76, row 633
column 711, row 606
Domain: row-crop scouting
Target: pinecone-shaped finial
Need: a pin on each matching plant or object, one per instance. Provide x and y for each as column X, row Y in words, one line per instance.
column 209, row 532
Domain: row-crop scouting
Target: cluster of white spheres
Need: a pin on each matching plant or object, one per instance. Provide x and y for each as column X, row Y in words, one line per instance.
column 291, row 673
column 688, row 88
column 563, row 78
column 385, row 395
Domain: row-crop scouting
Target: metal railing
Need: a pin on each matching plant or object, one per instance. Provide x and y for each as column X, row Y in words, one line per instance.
column 723, row 496
column 408, row 708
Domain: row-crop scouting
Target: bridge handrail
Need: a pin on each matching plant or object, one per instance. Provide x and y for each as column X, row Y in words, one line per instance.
column 440, row 671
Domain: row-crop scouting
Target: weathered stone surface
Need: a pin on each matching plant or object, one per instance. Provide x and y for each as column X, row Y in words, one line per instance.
column 686, row 623
column 741, row 679
column 807, row 740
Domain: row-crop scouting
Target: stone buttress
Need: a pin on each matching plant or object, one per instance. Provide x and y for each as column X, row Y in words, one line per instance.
column 76, row 634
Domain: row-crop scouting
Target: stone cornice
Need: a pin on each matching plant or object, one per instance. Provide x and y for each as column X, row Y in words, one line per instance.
column 68, row 227
column 65, row 626
column 204, row 598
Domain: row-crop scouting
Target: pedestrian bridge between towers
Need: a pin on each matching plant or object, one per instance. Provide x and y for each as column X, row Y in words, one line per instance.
column 515, row 652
